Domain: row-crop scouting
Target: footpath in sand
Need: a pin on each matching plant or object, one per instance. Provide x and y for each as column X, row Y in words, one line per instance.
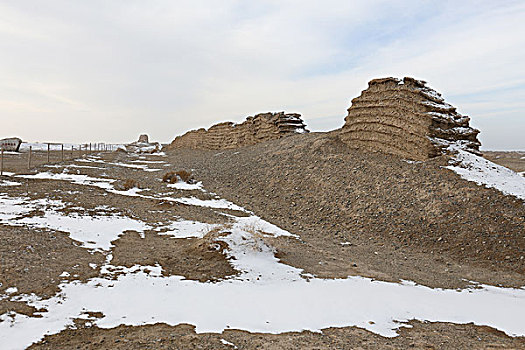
column 290, row 244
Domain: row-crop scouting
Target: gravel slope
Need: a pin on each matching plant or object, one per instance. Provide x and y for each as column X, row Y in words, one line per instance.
column 369, row 213
column 356, row 214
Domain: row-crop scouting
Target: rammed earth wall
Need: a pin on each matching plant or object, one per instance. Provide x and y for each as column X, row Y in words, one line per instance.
column 262, row 127
column 406, row 118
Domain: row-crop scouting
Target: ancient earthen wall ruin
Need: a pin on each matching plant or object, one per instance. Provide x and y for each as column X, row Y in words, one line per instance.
column 406, row 118
column 262, row 127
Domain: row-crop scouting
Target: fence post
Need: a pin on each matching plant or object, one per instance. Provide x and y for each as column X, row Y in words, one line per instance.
column 29, row 157
column 72, row 149
column 48, row 147
column 62, row 152
column 2, row 162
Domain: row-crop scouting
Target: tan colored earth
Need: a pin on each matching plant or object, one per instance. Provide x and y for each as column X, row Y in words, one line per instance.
column 397, row 220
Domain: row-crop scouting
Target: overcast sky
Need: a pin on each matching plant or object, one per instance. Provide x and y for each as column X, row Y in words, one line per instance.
column 83, row 71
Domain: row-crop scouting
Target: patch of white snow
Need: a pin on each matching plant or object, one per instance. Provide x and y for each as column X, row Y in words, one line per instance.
column 483, row 172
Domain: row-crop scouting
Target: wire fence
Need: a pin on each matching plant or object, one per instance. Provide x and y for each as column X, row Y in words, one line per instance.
column 52, row 152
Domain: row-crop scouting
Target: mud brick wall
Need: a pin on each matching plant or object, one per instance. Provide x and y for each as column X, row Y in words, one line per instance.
column 259, row 128
column 406, row 118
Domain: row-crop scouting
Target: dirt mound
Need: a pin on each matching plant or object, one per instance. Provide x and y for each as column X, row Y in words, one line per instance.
column 262, row 127
column 409, row 220
column 406, row 118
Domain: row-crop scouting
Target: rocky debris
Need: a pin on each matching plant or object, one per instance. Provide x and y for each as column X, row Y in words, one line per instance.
column 141, row 146
column 259, row 128
column 408, row 119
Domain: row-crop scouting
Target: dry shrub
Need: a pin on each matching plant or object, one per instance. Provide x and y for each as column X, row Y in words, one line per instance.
column 129, row 184
column 211, row 241
column 173, row 177
column 170, row 177
column 259, row 237
column 184, row 175
column 124, row 185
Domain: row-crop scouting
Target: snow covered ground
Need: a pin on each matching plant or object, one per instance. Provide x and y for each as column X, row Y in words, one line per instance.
column 267, row 296
column 186, row 186
column 484, row 172
column 9, row 183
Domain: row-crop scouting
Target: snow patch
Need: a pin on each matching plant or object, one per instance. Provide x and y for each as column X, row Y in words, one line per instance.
column 225, row 342
column 209, row 203
column 186, row 186
column 11, row 290
column 276, row 306
column 78, row 179
column 94, row 232
column 186, row 229
column 9, row 183
column 134, row 166
column 483, row 172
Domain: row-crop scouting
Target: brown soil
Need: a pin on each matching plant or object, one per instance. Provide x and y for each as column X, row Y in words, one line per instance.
column 19, row 162
column 161, row 336
column 33, row 260
column 192, row 258
column 398, row 220
column 511, row 160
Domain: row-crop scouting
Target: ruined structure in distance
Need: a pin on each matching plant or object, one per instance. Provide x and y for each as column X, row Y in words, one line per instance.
column 259, row 128
column 406, row 118
column 403, row 117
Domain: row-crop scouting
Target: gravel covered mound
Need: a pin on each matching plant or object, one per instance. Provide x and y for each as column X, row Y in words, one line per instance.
column 369, row 213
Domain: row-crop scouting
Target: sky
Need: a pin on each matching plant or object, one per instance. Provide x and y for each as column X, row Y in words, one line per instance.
column 86, row 71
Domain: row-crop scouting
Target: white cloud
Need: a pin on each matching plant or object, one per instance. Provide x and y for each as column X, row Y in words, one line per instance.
column 122, row 68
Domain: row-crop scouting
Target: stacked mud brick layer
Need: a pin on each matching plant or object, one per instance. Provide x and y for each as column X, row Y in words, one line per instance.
column 262, row 127
column 408, row 119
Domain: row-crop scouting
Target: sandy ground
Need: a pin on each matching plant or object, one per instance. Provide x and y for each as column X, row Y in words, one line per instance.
column 512, row 160
column 356, row 214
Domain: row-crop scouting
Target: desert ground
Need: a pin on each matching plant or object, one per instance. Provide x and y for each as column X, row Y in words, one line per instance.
column 292, row 243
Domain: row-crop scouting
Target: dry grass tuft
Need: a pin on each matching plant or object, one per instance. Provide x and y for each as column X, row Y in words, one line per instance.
column 124, row 185
column 170, row 177
column 129, row 184
column 181, row 175
column 184, row 175
column 211, row 241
